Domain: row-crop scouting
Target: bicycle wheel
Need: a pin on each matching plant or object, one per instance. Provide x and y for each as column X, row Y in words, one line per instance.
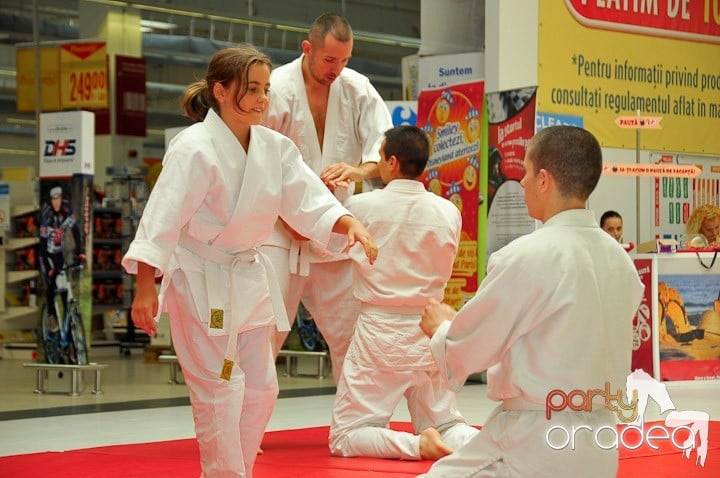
column 77, row 339
column 50, row 329
column 307, row 329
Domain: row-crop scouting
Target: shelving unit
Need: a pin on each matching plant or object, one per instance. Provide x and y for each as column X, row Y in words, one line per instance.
column 18, row 313
column 115, row 223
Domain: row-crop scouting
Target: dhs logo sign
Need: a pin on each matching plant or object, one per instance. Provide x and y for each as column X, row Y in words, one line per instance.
column 59, row 147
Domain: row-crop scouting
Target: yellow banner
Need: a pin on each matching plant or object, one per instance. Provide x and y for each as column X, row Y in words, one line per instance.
column 604, row 73
column 49, row 72
column 454, row 296
column 84, row 75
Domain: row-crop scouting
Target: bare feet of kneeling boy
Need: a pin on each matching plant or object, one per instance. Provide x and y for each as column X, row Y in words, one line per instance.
column 431, row 445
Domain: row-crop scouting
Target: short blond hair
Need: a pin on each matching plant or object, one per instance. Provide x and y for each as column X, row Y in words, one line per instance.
column 698, row 216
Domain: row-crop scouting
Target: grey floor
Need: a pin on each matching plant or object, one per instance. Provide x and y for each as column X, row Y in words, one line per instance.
column 139, row 405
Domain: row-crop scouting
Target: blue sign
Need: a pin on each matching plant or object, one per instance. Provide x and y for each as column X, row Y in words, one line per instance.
column 403, row 112
column 545, row 120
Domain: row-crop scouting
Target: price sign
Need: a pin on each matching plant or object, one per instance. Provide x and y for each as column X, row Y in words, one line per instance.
column 83, row 75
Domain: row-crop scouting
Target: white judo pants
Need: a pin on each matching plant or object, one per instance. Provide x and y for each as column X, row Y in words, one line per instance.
column 366, row 399
column 513, row 444
column 230, row 416
column 327, row 293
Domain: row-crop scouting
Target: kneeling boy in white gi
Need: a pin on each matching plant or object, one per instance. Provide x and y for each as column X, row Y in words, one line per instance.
column 553, row 316
column 417, row 233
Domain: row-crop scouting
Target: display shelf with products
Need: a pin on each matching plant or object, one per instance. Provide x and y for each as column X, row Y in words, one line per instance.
column 19, row 313
column 18, row 309
column 15, row 277
column 114, row 226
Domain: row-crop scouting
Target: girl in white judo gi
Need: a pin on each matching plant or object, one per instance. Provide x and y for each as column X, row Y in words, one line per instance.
column 554, row 313
column 224, row 183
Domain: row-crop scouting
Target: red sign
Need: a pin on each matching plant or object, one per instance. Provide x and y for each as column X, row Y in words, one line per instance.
column 639, row 122
column 684, row 20
column 642, row 354
column 130, row 96
column 452, row 117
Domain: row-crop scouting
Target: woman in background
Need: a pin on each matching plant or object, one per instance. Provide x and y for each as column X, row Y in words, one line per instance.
column 612, row 223
column 705, row 221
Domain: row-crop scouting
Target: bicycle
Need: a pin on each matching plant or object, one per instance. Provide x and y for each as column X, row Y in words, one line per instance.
column 310, row 336
column 64, row 338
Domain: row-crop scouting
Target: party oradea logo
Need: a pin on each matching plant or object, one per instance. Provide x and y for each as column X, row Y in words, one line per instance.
column 685, row 430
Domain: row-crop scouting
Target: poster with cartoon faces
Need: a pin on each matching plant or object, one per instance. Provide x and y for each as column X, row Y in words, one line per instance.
column 452, row 118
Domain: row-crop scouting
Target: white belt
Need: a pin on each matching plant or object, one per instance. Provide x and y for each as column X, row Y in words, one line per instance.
column 520, row 404
column 218, row 256
column 392, row 309
column 299, row 261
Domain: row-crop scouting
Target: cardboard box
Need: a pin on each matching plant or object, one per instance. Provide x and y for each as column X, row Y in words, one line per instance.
column 658, row 245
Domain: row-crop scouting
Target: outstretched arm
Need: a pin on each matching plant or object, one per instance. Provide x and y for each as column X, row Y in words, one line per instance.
column 343, row 175
column 356, row 232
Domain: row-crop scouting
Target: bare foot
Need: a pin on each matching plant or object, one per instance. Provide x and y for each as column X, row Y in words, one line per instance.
column 431, row 445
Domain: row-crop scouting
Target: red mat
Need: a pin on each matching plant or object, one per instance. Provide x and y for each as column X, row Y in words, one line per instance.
column 303, row 452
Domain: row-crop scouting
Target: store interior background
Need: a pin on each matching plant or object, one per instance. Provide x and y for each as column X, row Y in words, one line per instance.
column 177, row 38
column 138, row 404
column 180, row 36
column 385, row 32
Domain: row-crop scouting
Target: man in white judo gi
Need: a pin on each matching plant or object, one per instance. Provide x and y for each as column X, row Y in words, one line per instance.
column 417, row 233
column 553, row 313
column 337, row 119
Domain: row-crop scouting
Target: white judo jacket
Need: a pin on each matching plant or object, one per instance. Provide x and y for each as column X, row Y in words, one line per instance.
column 356, row 119
column 554, row 312
column 417, row 233
column 215, row 193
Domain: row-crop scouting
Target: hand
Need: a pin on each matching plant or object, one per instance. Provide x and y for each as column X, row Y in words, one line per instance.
column 357, row 233
column 52, row 273
column 144, row 310
column 80, row 258
column 341, row 175
column 434, row 315
column 333, row 185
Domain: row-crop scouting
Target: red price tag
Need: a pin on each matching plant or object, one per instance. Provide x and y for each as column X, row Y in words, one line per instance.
column 87, row 87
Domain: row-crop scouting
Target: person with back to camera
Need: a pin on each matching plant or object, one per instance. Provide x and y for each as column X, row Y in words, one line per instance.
column 337, row 119
column 612, row 223
column 703, row 227
column 389, row 356
column 554, row 313
column 225, row 180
